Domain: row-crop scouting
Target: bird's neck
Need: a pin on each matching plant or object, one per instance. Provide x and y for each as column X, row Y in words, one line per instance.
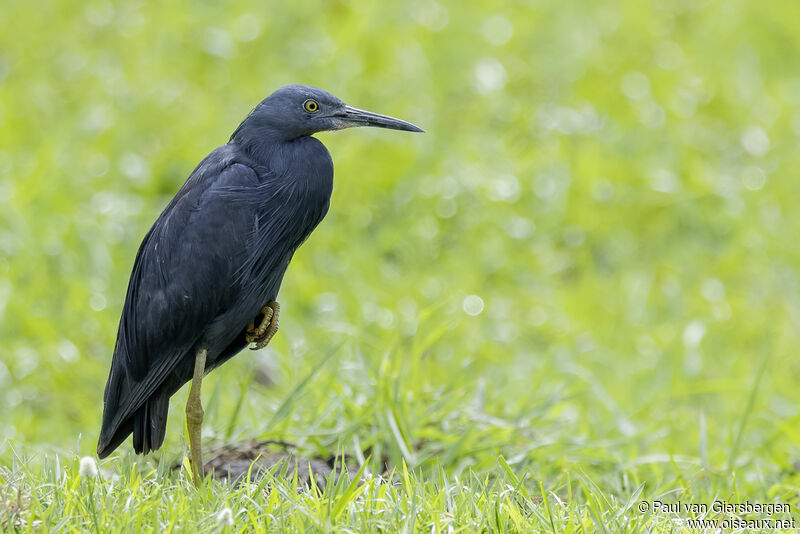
column 303, row 159
column 258, row 142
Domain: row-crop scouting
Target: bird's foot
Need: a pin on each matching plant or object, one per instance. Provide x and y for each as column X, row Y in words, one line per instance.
column 267, row 326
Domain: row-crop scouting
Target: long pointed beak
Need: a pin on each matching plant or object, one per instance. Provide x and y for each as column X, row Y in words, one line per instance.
column 354, row 117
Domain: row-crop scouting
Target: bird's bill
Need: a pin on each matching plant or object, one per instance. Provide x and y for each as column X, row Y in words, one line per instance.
column 354, row 117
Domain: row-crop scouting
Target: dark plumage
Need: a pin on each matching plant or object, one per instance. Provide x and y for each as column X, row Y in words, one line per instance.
column 218, row 253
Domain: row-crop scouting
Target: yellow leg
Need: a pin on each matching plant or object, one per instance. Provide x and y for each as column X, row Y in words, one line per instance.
column 267, row 328
column 194, row 417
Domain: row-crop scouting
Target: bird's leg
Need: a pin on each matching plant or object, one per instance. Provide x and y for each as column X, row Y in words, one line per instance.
column 194, row 417
column 268, row 325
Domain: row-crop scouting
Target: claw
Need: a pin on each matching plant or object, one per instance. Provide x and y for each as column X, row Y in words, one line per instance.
column 257, row 333
column 262, row 334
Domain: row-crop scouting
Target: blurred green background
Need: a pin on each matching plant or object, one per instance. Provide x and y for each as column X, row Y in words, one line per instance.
column 588, row 262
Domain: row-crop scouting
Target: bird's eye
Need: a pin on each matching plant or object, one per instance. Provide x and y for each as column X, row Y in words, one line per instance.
column 311, row 106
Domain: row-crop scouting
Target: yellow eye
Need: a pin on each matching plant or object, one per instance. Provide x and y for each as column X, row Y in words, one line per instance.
column 311, row 106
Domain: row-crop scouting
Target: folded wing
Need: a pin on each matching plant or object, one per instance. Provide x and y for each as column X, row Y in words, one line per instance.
column 184, row 276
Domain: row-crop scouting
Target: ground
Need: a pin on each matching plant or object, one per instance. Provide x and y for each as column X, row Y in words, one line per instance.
column 574, row 298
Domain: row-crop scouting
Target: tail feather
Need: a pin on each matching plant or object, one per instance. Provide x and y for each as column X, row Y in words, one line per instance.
column 106, row 445
column 141, row 429
column 131, row 408
column 148, row 425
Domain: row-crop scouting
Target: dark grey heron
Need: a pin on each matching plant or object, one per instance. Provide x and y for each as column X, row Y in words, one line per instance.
column 205, row 280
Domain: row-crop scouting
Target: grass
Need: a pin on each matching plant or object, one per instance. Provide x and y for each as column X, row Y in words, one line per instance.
column 462, row 461
column 136, row 501
column 576, row 292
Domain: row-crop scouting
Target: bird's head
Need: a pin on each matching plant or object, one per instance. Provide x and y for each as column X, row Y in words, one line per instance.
column 297, row 110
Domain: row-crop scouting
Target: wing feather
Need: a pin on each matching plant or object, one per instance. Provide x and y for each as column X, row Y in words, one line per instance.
column 183, row 277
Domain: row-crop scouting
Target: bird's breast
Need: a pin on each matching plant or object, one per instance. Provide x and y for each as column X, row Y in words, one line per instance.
column 294, row 196
column 306, row 164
